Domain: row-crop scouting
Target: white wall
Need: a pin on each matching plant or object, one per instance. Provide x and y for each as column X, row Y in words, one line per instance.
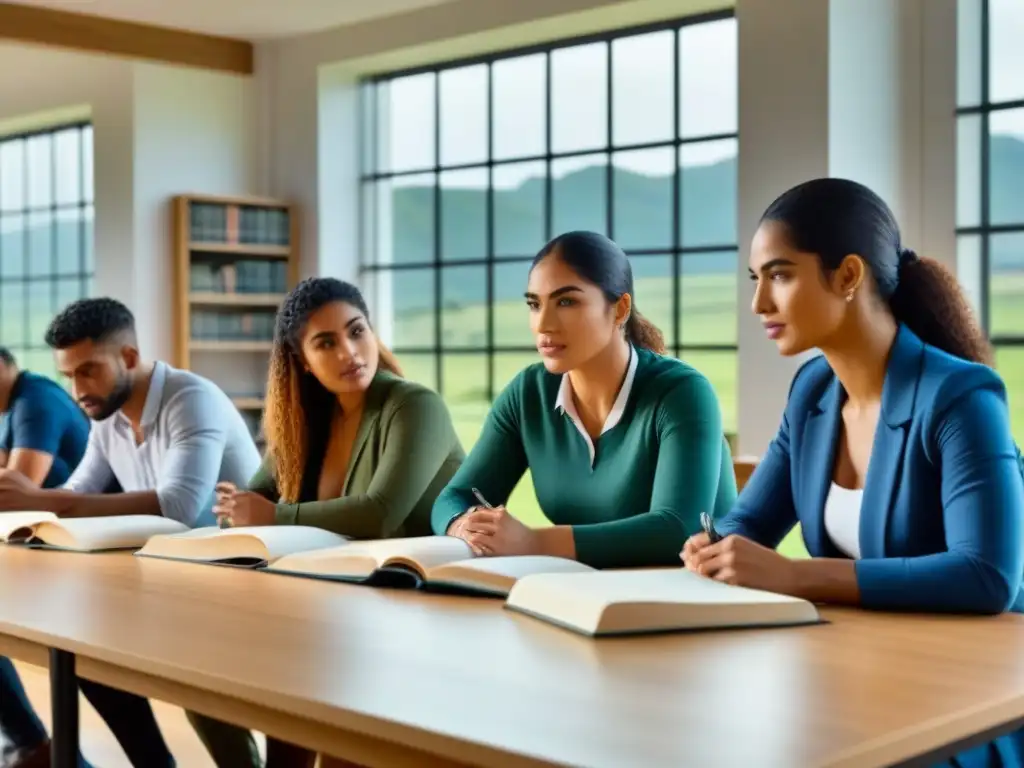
column 193, row 132
column 158, row 131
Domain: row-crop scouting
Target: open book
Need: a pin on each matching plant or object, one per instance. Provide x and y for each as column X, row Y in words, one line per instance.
column 629, row 602
column 432, row 563
column 13, row 521
column 253, row 547
column 45, row 530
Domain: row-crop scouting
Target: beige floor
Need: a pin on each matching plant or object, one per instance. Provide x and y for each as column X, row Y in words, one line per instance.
column 99, row 746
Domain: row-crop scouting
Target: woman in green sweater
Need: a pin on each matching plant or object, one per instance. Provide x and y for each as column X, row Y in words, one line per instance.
column 352, row 447
column 625, row 446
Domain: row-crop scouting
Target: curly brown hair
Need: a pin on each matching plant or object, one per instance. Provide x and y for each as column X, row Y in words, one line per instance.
column 928, row 299
column 295, row 399
column 834, row 217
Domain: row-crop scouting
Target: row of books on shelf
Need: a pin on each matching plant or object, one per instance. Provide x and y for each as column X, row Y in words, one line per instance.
column 261, row 276
column 560, row 591
column 209, row 325
column 244, row 224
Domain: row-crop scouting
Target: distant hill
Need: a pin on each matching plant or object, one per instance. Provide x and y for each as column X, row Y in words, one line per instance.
column 1007, row 195
column 642, row 219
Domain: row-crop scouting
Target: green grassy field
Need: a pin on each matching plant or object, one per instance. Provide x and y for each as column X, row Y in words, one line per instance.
column 708, row 305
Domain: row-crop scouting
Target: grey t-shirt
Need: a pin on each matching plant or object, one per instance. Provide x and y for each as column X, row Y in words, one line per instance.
column 193, row 438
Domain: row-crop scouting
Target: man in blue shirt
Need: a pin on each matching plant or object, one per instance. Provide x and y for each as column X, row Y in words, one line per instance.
column 43, row 434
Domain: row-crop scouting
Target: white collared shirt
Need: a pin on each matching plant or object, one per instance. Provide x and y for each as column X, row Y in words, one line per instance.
column 193, row 438
column 567, row 405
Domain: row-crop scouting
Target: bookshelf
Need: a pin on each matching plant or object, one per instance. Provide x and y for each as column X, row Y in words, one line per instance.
column 235, row 258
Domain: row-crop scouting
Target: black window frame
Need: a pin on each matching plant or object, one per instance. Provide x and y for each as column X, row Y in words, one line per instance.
column 84, row 201
column 367, row 148
column 985, row 230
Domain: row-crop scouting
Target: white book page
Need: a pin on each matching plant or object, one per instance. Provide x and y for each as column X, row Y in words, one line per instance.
column 267, row 542
column 113, row 532
column 635, row 600
column 513, row 568
column 669, row 585
column 498, row 574
column 281, row 540
column 12, row 521
column 424, row 552
column 361, row 558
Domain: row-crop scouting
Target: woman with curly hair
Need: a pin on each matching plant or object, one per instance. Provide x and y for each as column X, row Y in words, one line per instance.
column 894, row 453
column 352, row 447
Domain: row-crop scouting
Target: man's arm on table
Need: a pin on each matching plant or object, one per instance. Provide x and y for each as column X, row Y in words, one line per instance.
column 65, row 503
column 186, row 477
column 83, row 495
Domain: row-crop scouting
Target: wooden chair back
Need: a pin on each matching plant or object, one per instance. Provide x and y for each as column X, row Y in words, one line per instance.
column 744, row 467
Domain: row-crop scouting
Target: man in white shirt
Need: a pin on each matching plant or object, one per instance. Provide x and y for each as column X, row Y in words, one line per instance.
column 167, row 437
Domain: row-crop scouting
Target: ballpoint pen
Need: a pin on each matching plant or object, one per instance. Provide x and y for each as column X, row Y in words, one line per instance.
column 709, row 527
column 481, row 499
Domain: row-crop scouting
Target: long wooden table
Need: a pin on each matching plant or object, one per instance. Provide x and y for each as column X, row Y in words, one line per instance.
column 389, row 678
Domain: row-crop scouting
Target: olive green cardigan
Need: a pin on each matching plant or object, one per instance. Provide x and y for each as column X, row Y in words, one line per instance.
column 404, row 454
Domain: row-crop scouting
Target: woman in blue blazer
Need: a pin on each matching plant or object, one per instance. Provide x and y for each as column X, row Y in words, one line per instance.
column 894, row 453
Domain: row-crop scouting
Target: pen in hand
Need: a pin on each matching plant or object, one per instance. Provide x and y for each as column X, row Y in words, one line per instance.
column 480, row 497
column 709, row 527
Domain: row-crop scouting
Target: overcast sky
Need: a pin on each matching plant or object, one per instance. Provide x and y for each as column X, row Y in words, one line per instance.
column 642, row 72
column 642, row 68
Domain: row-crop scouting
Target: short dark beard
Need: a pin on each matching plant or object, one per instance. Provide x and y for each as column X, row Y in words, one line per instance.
column 117, row 398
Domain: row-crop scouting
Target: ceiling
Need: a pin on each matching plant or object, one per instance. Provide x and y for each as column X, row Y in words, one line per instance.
column 249, row 19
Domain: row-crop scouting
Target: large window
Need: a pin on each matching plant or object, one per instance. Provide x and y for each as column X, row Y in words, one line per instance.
column 46, row 220
column 990, row 185
column 471, row 166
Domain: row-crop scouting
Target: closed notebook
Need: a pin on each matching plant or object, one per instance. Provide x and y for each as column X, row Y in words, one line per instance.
column 625, row 602
column 89, row 534
column 432, row 563
column 253, row 547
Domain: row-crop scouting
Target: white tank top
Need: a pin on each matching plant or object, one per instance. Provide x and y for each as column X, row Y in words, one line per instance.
column 842, row 519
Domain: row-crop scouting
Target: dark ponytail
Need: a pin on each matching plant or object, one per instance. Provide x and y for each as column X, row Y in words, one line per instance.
column 834, row 218
column 644, row 334
column 929, row 301
column 600, row 261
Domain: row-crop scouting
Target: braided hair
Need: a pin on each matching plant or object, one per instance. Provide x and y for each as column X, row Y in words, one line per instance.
column 294, row 397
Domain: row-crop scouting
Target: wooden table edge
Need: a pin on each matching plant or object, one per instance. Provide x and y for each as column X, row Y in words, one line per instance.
column 905, row 750
column 24, row 650
column 366, row 739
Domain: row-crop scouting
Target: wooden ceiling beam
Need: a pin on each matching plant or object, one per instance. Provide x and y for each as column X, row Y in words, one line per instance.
column 96, row 34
